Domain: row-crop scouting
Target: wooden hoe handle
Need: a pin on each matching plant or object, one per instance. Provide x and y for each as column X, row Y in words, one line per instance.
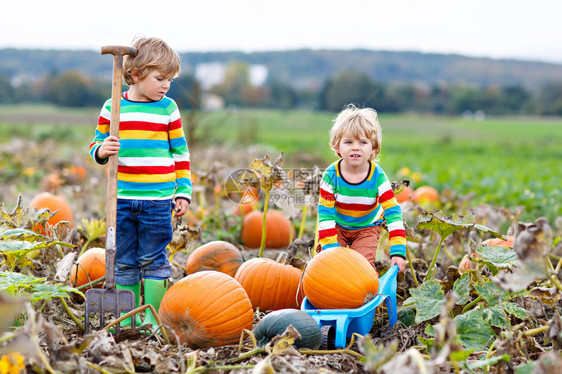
column 111, row 207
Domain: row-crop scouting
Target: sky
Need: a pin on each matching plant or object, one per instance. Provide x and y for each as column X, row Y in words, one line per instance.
column 494, row 28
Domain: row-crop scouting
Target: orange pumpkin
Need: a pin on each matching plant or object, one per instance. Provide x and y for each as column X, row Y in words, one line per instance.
column 426, row 195
column 207, row 309
column 407, row 194
column 46, row 200
column 339, row 278
column 89, row 267
column 271, row 285
column 217, row 255
column 508, row 243
column 245, row 208
column 279, row 230
column 466, row 264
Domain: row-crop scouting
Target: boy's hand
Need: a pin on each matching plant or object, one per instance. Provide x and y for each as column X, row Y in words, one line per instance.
column 109, row 147
column 181, row 207
column 398, row 261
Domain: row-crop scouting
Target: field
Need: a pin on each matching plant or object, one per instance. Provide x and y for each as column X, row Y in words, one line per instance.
column 494, row 172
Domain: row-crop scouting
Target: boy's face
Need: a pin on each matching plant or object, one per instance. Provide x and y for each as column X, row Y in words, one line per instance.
column 152, row 87
column 355, row 151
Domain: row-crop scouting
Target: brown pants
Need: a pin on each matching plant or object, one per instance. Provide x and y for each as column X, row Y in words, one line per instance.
column 364, row 241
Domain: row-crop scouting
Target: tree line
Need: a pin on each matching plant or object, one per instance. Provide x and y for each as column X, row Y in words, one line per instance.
column 73, row 89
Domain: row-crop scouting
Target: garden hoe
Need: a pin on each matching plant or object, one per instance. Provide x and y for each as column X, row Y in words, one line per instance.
column 111, row 300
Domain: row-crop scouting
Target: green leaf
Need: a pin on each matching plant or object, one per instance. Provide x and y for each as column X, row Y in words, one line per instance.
column 21, row 234
column 427, row 299
column 480, row 364
column 37, row 288
column 490, row 292
column 496, row 316
column 526, row 368
column 462, row 288
column 516, row 311
column 406, row 316
column 14, row 283
column 472, row 330
column 443, row 225
column 46, row 291
column 498, row 256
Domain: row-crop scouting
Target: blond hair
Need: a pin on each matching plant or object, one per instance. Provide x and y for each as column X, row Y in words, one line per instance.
column 357, row 123
column 152, row 53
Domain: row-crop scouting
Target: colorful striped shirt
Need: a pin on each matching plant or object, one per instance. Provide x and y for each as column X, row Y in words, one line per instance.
column 153, row 161
column 358, row 205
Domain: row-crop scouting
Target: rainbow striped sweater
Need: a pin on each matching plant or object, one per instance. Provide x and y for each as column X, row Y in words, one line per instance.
column 358, row 205
column 153, row 157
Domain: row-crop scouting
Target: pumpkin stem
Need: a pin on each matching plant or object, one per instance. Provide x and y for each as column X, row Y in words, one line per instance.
column 409, row 257
column 303, row 221
column 282, row 258
column 263, row 223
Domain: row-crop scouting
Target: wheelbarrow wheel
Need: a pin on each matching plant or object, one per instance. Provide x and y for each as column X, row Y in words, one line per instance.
column 328, row 337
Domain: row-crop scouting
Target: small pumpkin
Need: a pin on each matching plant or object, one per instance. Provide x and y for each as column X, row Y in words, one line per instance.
column 339, row 278
column 407, row 194
column 207, row 309
column 466, row 264
column 46, row 200
column 507, row 243
column 276, row 322
column 89, row 267
column 271, row 285
column 279, row 230
column 426, row 195
column 216, row 255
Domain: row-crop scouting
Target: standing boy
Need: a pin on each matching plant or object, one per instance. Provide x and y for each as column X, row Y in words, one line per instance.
column 153, row 170
column 355, row 193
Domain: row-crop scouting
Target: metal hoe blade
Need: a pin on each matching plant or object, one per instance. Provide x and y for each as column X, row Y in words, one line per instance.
column 109, row 300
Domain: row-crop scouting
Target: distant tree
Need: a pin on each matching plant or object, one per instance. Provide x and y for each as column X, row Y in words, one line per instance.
column 6, row 91
column 352, row 87
column 72, row 89
column 282, row 96
column 186, row 91
column 236, row 77
column 550, row 99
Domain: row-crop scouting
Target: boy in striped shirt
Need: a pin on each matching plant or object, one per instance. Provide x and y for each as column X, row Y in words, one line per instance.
column 153, row 175
column 355, row 193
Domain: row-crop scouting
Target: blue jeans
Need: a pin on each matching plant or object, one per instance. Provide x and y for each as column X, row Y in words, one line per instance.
column 144, row 229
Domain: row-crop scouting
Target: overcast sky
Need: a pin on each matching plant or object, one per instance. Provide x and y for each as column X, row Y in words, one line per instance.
column 494, row 28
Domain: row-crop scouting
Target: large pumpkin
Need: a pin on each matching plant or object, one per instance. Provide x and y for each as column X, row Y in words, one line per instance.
column 275, row 323
column 46, row 200
column 216, row 255
column 207, row 309
column 279, row 230
column 339, row 278
column 89, row 267
column 271, row 285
